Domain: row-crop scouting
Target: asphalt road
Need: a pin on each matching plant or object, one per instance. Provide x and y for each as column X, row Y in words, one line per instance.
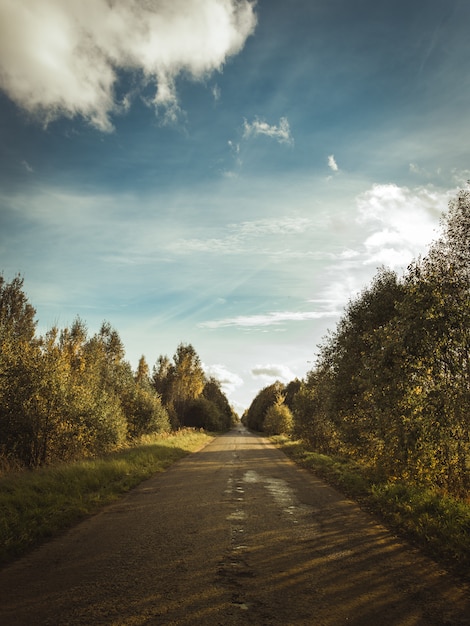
column 233, row 534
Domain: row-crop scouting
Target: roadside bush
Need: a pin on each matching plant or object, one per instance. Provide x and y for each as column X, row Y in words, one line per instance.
column 278, row 419
column 145, row 413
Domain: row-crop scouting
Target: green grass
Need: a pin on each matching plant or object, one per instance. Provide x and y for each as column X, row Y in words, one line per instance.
column 39, row 504
column 437, row 523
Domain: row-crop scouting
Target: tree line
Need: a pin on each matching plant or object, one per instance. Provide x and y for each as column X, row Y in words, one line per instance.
column 391, row 383
column 68, row 395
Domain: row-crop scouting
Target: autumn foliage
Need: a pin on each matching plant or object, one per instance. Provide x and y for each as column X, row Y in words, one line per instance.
column 68, row 395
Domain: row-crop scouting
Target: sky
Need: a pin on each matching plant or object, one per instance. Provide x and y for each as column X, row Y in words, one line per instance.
column 225, row 173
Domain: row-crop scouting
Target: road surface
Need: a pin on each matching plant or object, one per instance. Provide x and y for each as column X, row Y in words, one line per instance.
column 234, row 534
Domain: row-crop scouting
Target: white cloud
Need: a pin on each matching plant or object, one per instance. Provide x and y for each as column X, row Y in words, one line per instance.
column 62, row 58
column 400, row 222
column 268, row 319
column 259, row 127
column 228, row 380
column 332, row 163
column 276, row 372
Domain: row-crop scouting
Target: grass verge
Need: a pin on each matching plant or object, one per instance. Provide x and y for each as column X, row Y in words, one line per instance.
column 437, row 523
column 40, row 504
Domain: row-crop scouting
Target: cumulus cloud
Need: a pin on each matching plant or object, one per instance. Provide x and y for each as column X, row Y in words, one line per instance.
column 228, row 380
column 401, row 222
column 63, row 58
column 277, row 372
column 259, row 127
column 267, row 319
column 332, row 163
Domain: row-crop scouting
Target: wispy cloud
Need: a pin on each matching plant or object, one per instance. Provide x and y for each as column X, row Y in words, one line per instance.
column 63, row 58
column 258, row 127
column 274, row 318
column 246, row 235
column 216, row 93
column 29, row 168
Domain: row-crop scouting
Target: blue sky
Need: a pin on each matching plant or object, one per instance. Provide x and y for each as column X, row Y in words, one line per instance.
column 225, row 173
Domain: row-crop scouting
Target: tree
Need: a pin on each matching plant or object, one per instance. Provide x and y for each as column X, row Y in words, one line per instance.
column 391, row 385
column 19, row 360
column 278, row 419
column 144, row 411
column 312, row 419
column 213, row 392
column 189, row 377
column 347, row 369
column 254, row 416
column 180, row 382
column 142, row 375
column 17, row 323
column 202, row 413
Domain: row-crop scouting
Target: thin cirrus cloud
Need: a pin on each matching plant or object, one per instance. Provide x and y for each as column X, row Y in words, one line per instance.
column 63, row 58
column 258, row 127
column 274, row 318
column 240, row 237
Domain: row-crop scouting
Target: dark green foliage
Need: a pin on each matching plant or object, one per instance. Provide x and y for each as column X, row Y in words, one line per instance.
column 212, row 391
column 202, row 413
column 254, row 416
column 291, row 391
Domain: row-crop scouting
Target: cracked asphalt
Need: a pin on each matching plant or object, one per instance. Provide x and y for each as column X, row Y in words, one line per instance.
column 233, row 534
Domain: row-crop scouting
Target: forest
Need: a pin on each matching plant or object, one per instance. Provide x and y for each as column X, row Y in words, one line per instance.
column 67, row 395
column 390, row 387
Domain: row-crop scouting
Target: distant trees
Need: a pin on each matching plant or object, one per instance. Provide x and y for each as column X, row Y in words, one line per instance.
column 67, row 395
column 190, row 397
column 254, row 416
column 268, row 411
